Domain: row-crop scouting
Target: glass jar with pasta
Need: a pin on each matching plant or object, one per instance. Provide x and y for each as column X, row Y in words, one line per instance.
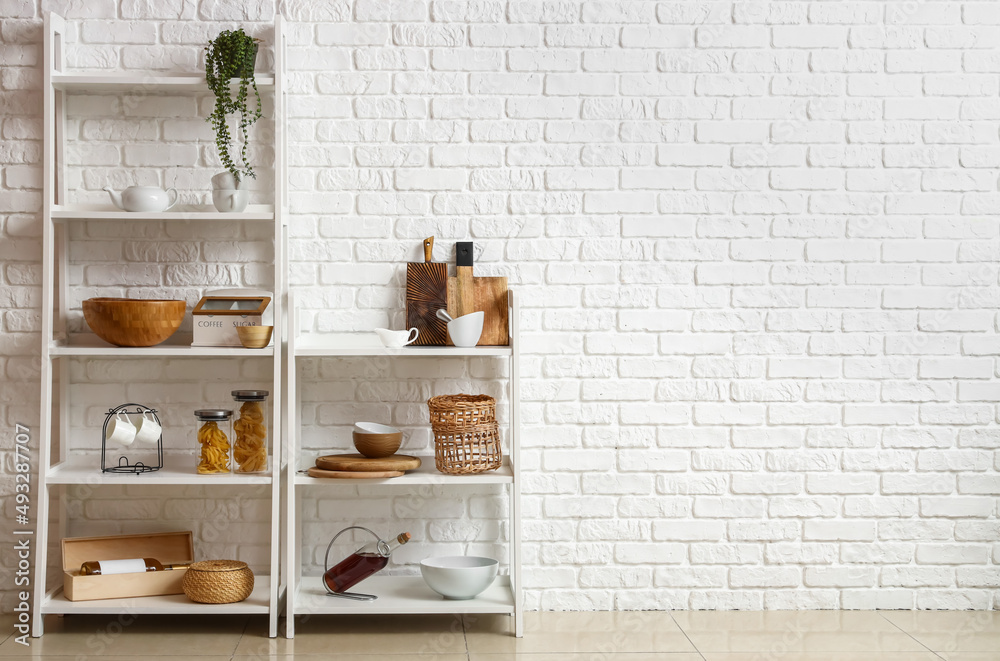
column 251, row 428
column 215, row 429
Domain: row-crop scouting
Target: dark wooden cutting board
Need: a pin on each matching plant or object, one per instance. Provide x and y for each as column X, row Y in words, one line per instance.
column 426, row 293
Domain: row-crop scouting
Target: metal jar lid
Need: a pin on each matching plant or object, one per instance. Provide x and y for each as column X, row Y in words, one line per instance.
column 250, row 395
column 213, row 414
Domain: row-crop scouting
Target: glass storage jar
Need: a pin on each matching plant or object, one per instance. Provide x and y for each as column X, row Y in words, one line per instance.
column 251, row 431
column 215, row 429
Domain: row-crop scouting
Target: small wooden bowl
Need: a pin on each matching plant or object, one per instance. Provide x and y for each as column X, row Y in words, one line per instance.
column 255, row 337
column 132, row 322
column 376, row 446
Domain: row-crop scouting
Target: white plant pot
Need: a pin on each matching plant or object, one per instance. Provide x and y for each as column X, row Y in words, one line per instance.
column 230, row 201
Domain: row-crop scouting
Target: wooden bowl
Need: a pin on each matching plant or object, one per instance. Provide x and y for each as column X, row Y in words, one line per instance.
column 376, row 446
column 254, row 337
column 130, row 322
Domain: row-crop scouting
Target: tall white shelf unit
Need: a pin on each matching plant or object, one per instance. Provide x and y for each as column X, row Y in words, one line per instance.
column 57, row 470
column 398, row 594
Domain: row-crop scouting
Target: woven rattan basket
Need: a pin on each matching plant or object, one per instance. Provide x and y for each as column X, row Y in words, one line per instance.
column 466, row 437
column 218, row 581
column 460, row 411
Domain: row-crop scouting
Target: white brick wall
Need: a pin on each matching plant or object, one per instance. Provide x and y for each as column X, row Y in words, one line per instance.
column 756, row 242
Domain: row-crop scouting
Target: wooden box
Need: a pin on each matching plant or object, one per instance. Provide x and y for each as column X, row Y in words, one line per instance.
column 167, row 547
column 216, row 317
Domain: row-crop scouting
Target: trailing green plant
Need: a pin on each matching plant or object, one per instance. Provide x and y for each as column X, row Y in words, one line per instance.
column 232, row 55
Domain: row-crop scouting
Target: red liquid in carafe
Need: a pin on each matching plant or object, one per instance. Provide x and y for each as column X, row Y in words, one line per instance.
column 353, row 569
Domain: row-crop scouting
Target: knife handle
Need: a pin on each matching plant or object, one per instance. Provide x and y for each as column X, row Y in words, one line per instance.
column 428, row 248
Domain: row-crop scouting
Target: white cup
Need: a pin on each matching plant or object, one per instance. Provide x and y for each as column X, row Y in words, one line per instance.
column 148, row 430
column 466, row 330
column 396, row 339
column 230, row 200
column 120, row 430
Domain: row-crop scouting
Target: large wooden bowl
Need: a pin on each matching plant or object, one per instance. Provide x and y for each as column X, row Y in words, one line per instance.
column 130, row 322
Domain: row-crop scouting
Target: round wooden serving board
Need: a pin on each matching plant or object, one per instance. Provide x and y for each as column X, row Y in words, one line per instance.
column 353, row 475
column 360, row 463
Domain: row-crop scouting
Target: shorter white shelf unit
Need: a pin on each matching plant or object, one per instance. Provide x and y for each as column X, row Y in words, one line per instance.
column 399, row 594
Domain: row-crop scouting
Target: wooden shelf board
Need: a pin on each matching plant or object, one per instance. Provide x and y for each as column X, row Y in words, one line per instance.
column 368, row 344
column 257, row 602
column 177, row 346
column 426, row 474
column 177, row 469
column 140, row 82
column 400, row 594
column 199, row 212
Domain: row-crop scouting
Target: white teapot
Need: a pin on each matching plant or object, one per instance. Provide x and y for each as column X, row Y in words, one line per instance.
column 143, row 198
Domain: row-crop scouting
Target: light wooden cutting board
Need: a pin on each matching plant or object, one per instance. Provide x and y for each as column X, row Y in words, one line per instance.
column 468, row 293
column 362, row 464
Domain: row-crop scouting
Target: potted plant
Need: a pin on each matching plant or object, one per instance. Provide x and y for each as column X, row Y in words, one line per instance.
column 231, row 55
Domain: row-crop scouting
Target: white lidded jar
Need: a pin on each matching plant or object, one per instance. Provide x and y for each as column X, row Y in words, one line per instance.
column 250, row 431
column 215, row 429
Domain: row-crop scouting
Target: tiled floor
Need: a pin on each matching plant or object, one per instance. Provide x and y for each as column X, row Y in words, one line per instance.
column 629, row 636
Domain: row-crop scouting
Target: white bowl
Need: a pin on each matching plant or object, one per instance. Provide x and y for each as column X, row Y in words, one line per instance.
column 374, row 428
column 459, row 576
column 466, row 330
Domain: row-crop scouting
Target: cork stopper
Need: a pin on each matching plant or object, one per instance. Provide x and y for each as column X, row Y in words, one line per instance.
column 404, row 537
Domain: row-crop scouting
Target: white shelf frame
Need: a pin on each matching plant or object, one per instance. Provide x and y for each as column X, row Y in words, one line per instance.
column 58, row 347
column 178, row 469
column 143, row 83
column 368, row 345
column 199, row 212
column 426, row 474
column 257, row 602
column 400, row 594
column 178, row 346
column 403, row 595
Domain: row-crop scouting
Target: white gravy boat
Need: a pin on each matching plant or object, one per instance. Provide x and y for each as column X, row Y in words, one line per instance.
column 395, row 339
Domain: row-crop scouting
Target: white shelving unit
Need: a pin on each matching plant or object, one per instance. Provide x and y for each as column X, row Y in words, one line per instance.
column 398, row 594
column 56, row 470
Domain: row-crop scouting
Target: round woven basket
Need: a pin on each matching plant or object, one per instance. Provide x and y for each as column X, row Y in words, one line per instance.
column 457, row 411
column 467, row 450
column 218, row 581
column 466, row 437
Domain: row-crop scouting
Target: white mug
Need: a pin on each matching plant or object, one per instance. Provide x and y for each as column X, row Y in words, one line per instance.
column 395, row 339
column 148, row 430
column 120, row 430
column 466, row 330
